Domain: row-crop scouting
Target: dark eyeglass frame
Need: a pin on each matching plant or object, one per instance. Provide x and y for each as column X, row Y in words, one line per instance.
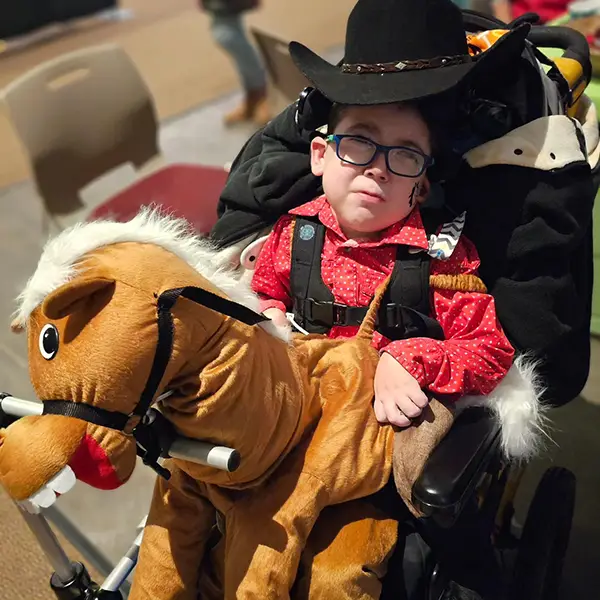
column 379, row 149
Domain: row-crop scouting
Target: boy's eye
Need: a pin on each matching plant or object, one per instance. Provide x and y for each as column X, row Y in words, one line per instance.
column 406, row 154
column 350, row 146
column 360, row 142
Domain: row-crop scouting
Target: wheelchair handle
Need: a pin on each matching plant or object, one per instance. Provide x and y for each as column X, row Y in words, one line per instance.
column 573, row 42
column 574, row 65
column 182, row 448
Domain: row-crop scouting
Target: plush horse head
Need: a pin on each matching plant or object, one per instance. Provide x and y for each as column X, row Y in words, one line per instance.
column 119, row 313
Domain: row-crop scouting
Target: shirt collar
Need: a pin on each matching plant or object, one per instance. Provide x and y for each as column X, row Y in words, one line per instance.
column 408, row 232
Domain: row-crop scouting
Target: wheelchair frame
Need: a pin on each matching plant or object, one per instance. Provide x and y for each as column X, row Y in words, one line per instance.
column 71, row 580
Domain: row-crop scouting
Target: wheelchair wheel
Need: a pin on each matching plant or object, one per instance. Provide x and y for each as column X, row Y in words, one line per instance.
column 543, row 545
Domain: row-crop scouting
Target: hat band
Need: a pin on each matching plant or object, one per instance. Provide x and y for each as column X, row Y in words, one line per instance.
column 407, row 65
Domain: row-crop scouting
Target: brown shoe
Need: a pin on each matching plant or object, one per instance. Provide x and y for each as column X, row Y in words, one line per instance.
column 239, row 114
column 262, row 112
column 254, row 107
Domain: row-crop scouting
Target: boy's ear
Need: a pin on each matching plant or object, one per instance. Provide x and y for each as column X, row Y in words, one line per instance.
column 318, row 146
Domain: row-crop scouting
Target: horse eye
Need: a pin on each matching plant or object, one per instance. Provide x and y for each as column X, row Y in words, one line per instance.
column 48, row 341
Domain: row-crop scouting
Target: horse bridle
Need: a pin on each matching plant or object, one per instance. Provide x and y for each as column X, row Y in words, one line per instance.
column 150, row 430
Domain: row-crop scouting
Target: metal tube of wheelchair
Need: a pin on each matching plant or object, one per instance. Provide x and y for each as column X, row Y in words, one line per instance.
column 219, row 457
column 121, row 572
column 62, row 566
column 204, row 453
column 18, row 407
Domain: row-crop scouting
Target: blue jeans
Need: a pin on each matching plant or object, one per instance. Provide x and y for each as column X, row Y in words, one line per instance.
column 228, row 31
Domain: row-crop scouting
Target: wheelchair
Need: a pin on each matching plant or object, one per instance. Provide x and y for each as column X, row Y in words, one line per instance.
column 465, row 547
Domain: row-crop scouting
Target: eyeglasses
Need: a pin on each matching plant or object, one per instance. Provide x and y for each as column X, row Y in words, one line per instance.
column 361, row 151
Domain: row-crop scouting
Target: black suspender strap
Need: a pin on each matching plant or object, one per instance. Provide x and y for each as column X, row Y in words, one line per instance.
column 313, row 301
column 409, row 283
column 405, row 306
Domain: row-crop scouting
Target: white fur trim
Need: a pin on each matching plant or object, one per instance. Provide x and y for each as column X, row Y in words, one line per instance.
column 150, row 225
column 534, row 143
column 516, row 404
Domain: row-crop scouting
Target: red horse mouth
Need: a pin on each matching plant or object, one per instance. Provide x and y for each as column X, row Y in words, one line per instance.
column 89, row 464
column 92, row 465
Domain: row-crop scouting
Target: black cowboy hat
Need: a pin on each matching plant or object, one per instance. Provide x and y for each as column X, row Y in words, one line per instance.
column 419, row 45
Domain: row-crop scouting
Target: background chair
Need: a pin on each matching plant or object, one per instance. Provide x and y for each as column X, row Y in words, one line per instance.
column 78, row 117
column 286, row 80
column 183, row 190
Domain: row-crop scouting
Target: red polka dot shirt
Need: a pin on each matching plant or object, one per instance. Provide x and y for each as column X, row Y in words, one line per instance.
column 475, row 354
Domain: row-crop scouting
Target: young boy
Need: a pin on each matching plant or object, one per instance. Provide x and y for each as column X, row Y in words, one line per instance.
column 373, row 166
column 396, row 52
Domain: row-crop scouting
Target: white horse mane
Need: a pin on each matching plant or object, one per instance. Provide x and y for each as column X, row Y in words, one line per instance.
column 60, row 254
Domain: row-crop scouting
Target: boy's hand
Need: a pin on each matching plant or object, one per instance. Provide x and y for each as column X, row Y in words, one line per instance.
column 277, row 316
column 398, row 396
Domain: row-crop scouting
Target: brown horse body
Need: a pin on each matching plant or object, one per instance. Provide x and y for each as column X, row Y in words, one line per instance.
column 299, row 413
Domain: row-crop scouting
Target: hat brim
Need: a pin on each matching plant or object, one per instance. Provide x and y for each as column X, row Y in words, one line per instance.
column 367, row 88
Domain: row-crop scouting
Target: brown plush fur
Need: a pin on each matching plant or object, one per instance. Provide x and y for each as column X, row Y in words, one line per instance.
column 300, row 414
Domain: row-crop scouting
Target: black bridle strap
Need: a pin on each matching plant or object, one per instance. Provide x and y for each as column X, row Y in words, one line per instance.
column 86, row 412
column 236, row 311
column 165, row 303
column 164, row 348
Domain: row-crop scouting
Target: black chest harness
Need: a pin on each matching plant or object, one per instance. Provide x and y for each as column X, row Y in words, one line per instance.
column 405, row 308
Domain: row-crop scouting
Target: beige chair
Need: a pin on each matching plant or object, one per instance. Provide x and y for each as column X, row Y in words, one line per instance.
column 286, row 80
column 78, row 117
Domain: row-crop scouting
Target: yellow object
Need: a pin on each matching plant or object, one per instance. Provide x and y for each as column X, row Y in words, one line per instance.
column 570, row 69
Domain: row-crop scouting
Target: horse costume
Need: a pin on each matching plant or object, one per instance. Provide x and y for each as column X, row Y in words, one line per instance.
column 117, row 314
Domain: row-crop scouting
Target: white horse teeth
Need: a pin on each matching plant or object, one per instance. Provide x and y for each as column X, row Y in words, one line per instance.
column 46, row 496
column 64, row 481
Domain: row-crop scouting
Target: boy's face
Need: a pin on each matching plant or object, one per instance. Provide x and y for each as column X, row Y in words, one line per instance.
column 368, row 199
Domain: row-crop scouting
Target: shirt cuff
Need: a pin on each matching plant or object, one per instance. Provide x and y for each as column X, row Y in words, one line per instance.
column 270, row 303
column 408, row 362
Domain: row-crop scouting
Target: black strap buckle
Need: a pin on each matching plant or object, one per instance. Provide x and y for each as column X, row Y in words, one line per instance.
column 154, row 436
column 394, row 317
column 331, row 314
column 339, row 315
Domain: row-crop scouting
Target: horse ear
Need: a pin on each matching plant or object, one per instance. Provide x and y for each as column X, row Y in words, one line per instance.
column 61, row 302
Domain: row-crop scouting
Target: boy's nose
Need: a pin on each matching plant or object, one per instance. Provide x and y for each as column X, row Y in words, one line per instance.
column 378, row 168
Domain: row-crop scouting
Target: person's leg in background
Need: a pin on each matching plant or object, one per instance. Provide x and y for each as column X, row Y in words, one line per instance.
column 228, row 31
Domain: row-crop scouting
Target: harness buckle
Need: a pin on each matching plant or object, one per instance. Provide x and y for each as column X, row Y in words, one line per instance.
column 339, row 314
column 325, row 313
column 394, row 316
column 154, row 435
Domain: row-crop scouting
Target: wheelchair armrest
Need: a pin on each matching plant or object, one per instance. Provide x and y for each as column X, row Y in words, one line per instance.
column 456, row 466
